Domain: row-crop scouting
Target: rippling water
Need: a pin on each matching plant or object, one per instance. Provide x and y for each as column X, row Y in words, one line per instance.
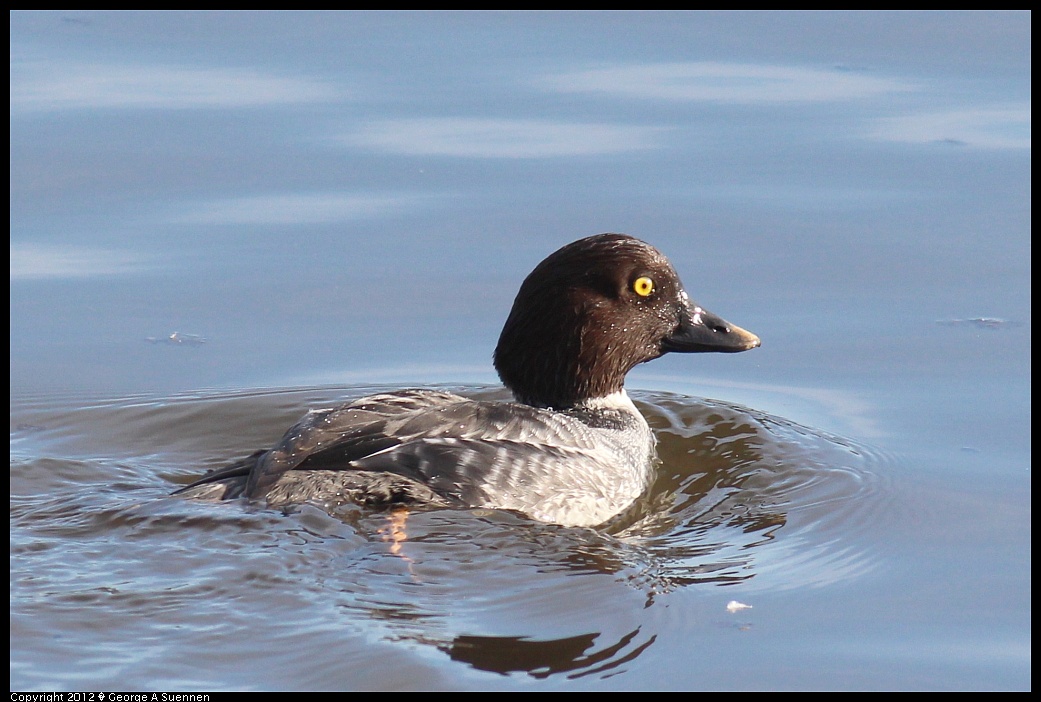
column 151, row 589
column 207, row 205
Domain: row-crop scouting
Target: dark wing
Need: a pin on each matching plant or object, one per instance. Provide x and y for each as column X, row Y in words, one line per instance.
column 332, row 439
column 454, row 446
column 325, row 436
column 228, row 482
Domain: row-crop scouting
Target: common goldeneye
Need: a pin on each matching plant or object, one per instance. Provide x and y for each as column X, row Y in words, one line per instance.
column 572, row 449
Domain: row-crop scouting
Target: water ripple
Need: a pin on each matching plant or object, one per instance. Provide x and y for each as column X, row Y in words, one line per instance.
column 740, row 497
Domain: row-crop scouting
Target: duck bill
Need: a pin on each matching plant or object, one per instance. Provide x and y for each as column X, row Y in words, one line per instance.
column 700, row 331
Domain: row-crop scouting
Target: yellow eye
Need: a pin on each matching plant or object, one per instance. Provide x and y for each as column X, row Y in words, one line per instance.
column 643, row 286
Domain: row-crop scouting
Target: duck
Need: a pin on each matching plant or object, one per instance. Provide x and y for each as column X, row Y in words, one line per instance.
column 570, row 449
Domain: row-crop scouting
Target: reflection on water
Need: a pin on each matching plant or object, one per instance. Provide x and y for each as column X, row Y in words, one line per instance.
column 992, row 127
column 39, row 85
column 732, row 478
column 577, row 655
column 723, row 82
column 737, row 491
column 283, row 209
column 36, row 261
column 503, row 138
column 353, row 197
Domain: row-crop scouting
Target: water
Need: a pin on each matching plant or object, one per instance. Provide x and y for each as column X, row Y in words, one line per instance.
column 221, row 220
